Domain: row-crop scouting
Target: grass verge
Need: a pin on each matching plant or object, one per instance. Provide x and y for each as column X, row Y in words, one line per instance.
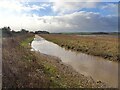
column 26, row 42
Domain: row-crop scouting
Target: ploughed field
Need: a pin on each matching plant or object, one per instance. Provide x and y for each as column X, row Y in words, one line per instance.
column 105, row 46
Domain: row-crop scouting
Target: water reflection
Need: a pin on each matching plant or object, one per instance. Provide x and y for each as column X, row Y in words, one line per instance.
column 88, row 65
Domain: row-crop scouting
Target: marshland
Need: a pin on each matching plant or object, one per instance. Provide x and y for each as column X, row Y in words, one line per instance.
column 59, row 44
column 105, row 46
column 30, row 61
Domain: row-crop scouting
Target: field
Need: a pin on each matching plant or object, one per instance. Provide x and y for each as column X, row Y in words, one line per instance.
column 105, row 46
column 23, row 68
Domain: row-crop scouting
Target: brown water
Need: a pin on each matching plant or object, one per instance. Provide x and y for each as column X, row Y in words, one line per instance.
column 96, row 67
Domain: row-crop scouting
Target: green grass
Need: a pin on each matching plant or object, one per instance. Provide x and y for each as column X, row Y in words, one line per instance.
column 50, row 69
column 25, row 43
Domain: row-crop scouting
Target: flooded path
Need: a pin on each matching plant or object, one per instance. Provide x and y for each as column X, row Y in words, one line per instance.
column 96, row 67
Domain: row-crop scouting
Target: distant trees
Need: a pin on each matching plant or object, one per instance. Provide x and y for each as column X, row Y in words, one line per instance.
column 6, row 28
column 100, row 33
column 24, row 31
column 6, row 32
column 41, row 32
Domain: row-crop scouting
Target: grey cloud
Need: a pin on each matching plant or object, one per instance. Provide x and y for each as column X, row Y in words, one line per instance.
column 82, row 21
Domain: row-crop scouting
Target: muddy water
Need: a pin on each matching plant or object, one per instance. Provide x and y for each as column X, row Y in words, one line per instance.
column 96, row 67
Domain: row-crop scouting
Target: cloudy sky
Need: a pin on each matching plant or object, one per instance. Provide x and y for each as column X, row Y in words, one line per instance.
column 60, row 16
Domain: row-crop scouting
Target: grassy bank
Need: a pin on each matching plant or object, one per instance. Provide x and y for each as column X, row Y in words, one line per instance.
column 26, row 42
column 25, row 69
column 103, row 46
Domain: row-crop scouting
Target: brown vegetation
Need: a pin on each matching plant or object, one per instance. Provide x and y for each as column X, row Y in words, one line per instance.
column 103, row 46
column 23, row 68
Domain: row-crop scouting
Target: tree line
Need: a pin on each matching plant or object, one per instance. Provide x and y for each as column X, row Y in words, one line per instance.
column 7, row 31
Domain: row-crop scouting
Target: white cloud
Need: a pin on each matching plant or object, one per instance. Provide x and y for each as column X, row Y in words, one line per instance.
column 78, row 21
column 62, row 6
column 19, row 6
column 45, row 5
column 75, row 21
column 81, row 21
column 75, row 0
column 11, row 5
column 111, row 7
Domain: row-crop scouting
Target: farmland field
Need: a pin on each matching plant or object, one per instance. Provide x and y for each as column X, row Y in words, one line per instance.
column 105, row 46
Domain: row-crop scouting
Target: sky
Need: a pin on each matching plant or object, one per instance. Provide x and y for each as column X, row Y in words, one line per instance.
column 60, row 15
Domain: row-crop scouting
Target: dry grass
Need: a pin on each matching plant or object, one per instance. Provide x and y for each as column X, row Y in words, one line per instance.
column 19, row 66
column 103, row 46
column 25, row 69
